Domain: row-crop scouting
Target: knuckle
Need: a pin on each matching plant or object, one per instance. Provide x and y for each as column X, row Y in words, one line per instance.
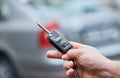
column 68, row 65
column 69, row 73
column 65, row 66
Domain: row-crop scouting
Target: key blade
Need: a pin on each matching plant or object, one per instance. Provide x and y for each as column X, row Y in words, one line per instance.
column 42, row 27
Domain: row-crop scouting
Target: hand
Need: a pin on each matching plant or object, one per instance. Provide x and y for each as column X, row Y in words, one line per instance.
column 90, row 62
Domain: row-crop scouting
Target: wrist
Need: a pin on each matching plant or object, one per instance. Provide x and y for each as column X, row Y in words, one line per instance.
column 110, row 69
column 115, row 70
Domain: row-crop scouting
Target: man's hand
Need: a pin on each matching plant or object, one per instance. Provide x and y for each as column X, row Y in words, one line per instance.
column 91, row 63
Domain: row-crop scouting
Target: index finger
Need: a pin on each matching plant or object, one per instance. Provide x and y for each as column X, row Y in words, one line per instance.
column 58, row 55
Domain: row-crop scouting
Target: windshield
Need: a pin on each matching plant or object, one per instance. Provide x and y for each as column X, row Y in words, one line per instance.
column 60, row 4
column 57, row 8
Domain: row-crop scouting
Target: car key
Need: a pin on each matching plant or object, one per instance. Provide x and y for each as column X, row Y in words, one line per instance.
column 57, row 40
column 60, row 43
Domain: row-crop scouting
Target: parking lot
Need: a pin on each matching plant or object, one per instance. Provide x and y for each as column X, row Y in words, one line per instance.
column 23, row 44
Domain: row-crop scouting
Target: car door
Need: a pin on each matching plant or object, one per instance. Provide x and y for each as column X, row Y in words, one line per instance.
column 19, row 33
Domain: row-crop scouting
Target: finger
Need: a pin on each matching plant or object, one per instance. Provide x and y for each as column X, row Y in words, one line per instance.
column 54, row 54
column 68, row 65
column 70, row 73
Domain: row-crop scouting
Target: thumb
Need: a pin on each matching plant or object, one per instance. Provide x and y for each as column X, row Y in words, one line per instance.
column 76, row 45
column 72, row 54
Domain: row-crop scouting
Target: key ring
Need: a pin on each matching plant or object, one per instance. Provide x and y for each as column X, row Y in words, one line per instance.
column 75, row 70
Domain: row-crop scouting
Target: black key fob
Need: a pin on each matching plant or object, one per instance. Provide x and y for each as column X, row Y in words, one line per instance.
column 59, row 41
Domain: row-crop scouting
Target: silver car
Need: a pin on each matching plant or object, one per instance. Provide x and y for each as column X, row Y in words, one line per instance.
column 21, row 53
column 23, row 45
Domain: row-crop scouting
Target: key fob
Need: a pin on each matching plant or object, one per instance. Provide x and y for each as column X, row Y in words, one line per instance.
column 59, row 41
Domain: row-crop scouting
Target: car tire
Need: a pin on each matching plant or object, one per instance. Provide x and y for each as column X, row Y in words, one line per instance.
column 6, row 69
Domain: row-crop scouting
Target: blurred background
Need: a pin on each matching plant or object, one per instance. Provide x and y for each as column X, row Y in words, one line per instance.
column 23, row 44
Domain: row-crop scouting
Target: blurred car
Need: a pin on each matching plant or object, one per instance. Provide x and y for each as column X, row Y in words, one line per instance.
column 21, row 54
column 23, row 45
column 93, row 24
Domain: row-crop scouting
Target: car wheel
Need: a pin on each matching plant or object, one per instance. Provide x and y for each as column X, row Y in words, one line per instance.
column 6, row 70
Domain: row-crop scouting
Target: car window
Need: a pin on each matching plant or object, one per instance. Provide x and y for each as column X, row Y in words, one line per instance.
column 5, row 10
